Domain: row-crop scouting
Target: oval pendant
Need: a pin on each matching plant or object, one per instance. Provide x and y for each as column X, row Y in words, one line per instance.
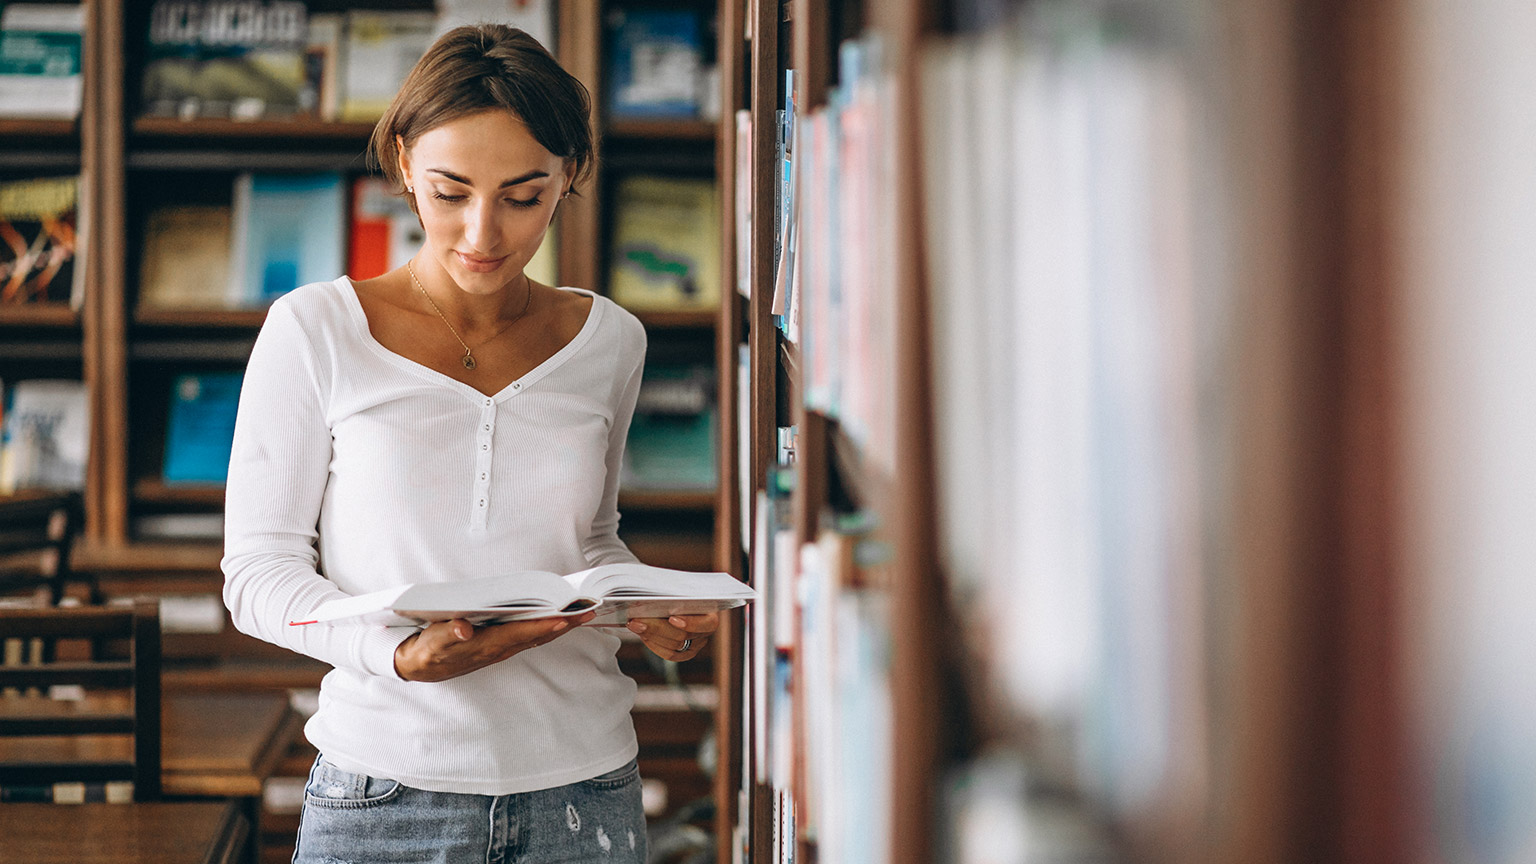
column 469, row 362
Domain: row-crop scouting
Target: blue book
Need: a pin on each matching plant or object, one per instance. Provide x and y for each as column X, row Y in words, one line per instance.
column 201, row 428
column 289, row 230
column 655, row 62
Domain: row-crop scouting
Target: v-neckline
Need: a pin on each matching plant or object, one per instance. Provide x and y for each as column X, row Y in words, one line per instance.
column 348, row 291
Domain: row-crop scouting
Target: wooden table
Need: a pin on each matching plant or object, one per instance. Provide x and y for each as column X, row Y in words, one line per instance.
column 223, row 744
column 213, row 745
column 192, row 832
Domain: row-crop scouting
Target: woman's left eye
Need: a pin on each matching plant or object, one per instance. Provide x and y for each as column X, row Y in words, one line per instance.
column 531, row 202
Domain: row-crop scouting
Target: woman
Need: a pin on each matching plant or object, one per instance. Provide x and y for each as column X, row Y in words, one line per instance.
column 448, row 420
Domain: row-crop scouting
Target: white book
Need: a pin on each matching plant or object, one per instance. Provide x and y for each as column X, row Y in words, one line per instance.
column 40, row 60
column 47, row 432
column 617, row 592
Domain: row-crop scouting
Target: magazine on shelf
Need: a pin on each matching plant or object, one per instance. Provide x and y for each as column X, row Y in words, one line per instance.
column 666, row 250
column 200, row 427
column 286, row 230
column 380, row 48
column 617, row 592
column 655, row 63
column 46, row 436
column 186, row 257
column 39, row 243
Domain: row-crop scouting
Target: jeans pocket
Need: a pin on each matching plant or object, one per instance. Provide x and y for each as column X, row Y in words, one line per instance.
column 332, row 787
column 617, row 778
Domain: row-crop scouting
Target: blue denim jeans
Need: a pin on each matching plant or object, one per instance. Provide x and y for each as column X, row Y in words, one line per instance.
column 358, row 819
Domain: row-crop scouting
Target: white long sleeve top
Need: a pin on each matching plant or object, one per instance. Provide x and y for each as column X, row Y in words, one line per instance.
column 356, row 469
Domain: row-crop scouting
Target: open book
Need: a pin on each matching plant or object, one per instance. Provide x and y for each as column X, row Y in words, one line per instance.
column 617, row 592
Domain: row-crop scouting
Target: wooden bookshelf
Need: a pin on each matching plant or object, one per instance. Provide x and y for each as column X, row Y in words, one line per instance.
column 126, row 352
column 233, row 319
column 170, row 129
column 14, row 129
column 832, row 470
column 689, row 319
column 91, row 555
column 153, row 490
column 665, row 130
column 636, row 499
column 42, row 315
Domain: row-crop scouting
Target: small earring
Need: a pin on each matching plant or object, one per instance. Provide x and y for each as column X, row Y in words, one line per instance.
column 411, row 189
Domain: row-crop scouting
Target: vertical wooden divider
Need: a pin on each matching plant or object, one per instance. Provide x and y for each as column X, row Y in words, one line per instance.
column 580, row 39
column 727, row 647
column 110, row 377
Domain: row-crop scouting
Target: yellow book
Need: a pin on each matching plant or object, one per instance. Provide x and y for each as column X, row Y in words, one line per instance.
column 666, row 244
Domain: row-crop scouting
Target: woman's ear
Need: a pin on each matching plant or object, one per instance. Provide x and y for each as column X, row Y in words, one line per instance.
column 403, row 160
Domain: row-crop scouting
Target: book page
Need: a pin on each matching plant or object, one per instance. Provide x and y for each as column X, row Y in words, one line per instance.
column 630, row 581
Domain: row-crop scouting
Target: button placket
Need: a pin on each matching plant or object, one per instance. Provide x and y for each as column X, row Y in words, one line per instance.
column 480, row 496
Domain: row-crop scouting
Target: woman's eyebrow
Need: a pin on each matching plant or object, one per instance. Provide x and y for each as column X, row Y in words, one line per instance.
column 519, row 179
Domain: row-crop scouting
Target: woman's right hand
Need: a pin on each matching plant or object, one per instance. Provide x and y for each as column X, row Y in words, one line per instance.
column 449, row 649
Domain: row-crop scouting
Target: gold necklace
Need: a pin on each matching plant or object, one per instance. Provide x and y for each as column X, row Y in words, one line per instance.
column 468, row 359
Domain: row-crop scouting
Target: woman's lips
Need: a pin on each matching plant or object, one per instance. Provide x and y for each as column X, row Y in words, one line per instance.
column 479, row 265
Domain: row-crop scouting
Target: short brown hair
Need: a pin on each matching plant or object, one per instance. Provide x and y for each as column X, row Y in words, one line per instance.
column 483, row 67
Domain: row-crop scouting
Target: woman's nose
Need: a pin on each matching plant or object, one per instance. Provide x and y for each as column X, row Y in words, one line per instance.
column 480, row 228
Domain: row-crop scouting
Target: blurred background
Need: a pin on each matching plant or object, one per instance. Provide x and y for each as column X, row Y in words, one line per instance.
column 1123, row 407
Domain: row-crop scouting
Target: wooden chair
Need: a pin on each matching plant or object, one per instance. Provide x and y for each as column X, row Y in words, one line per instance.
column 111, row 733
column 36, row 532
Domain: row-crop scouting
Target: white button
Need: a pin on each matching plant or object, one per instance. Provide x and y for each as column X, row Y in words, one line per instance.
column 487, row 427
column 482, row 502
column 485, row 446
column 517, row 386
column 489, row 401
column 482, row 475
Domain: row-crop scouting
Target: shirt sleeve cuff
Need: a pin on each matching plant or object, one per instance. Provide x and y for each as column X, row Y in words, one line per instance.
column 376, row 649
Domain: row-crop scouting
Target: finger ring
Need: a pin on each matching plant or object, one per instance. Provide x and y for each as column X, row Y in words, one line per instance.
column 687, row 644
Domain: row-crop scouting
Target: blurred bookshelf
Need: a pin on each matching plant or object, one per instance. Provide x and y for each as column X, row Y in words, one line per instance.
column 130, row 347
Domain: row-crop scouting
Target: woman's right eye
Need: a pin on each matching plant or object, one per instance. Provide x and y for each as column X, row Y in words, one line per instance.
column 449, row 198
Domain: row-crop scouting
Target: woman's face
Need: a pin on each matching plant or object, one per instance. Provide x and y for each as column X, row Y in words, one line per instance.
column 486, row 191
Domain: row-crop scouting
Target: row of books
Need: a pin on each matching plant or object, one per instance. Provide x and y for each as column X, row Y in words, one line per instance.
column 45, row 424
column 277, row 59
column 671, row 443
column 266, row 59
column 820, row 742
column 835, row 241
column 279, row 232
column 282, row 231
column 1062, row 185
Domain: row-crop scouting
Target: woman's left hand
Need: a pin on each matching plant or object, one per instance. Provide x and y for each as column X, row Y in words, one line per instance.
column 680, row 637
